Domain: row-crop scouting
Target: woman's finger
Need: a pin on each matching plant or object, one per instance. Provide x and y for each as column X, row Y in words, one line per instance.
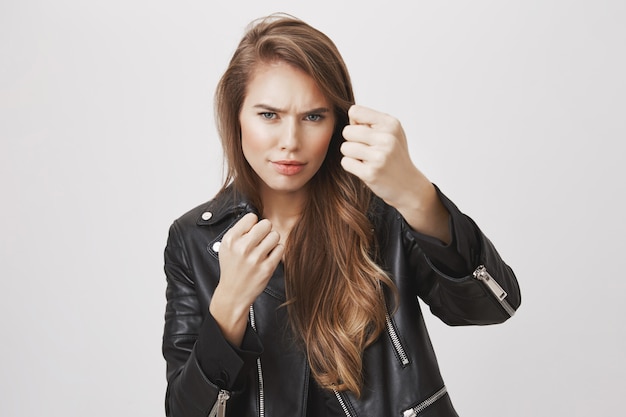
column 361, row 115
column 359, row 133
column 267, row 244
column 357, row 150
column 243, row 226
column 354, row 167
column 258, row 232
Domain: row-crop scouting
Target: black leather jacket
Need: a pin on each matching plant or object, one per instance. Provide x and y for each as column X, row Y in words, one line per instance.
column 464, row 283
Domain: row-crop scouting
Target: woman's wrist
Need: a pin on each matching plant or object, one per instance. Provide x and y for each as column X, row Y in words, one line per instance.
column 424, row 212
column 230, row 318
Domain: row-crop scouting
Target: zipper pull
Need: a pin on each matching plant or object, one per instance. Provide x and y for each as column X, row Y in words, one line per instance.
column 481, row 274
column 219, row 408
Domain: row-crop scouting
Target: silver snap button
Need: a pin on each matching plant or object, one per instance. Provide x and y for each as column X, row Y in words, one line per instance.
column 216, row 246
column 207, row 215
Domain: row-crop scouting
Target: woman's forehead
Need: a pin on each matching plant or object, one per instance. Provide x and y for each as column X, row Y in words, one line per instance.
column 281, row 85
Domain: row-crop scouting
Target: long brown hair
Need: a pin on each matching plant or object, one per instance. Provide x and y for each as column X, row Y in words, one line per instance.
column 333, row 286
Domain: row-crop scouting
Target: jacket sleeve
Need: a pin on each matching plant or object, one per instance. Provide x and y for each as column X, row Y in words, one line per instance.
column 200, row 362
column 465, row 282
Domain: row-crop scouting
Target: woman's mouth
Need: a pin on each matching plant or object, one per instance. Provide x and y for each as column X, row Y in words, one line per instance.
column 288, row 167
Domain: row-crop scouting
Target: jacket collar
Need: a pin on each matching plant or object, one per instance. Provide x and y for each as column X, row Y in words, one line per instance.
column 227, row 203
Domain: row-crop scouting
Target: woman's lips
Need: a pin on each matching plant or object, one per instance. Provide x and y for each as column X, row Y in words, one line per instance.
column 288, row 167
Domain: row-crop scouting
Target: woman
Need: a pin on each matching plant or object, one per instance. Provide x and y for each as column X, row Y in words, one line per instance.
column 293, row 291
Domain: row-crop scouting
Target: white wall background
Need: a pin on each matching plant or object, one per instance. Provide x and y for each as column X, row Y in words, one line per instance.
column 516, row 109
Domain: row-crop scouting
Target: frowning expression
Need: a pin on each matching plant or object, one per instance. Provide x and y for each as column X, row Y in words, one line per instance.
column 286, row 127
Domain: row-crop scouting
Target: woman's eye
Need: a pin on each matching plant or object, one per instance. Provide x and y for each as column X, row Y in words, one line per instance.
column 268, row 115
column 314, row 117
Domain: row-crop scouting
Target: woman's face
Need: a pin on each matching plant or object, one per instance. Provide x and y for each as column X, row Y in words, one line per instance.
column 286, row 127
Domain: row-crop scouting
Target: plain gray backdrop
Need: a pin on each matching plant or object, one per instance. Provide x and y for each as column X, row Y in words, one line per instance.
column 516, row 109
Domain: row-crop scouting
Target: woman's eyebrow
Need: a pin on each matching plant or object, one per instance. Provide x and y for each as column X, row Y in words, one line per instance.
column 273, row 109
column 317, row 110
column 268, row 108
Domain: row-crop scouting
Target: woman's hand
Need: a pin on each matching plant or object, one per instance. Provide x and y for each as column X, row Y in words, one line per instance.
column 249, row 253
column 377, row 152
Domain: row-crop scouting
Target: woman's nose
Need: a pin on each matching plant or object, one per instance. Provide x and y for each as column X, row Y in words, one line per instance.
column 289, row 138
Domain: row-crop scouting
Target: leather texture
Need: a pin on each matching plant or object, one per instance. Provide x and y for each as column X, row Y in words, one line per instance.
column 391, row 386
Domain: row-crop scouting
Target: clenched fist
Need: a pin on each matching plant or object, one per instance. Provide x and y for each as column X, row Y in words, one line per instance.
column 249, row 254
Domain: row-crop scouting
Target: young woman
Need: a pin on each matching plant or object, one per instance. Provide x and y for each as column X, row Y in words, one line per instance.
column 293, row 291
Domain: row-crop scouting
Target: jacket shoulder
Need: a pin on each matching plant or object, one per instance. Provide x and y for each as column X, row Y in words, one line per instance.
column 191, row 217
column 226, row 204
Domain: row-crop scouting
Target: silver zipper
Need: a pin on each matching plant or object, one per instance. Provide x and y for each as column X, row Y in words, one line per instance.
column 219, row 408
column 395, row 340
column 259, row 370
column 343, row 404
column 413, row 412
column 481, row 274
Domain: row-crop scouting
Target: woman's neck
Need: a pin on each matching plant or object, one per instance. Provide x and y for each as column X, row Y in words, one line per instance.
column 283, row 210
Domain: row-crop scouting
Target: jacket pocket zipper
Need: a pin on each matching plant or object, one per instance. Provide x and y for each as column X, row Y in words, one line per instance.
column 219, row 408
column 481, row 274
column 395, row 339
column 414, row 411
column 259, row 370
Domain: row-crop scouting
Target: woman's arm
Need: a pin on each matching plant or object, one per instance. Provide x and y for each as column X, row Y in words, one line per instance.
column 465, row 281
column 377, row 152
column 460, row 273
